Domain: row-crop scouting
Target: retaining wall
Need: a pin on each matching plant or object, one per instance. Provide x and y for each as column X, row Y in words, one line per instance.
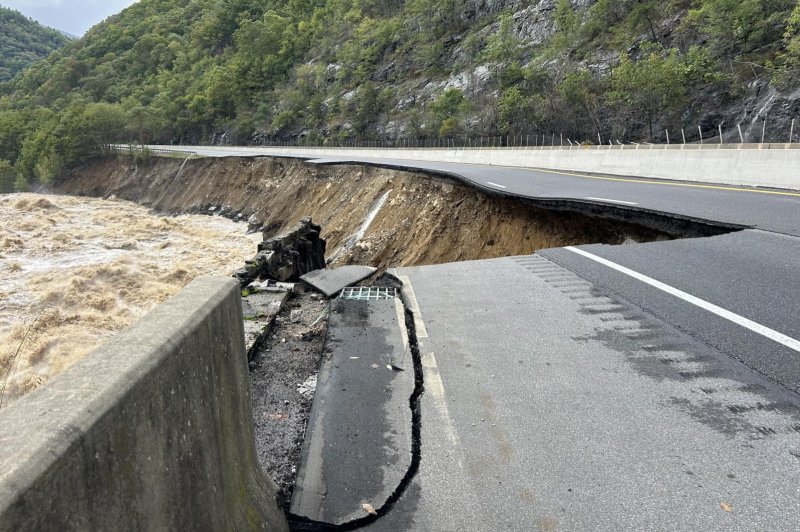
column 153, row 431
column 762, row 165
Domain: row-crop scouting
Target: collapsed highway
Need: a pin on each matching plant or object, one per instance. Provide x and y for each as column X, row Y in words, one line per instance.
column 602, row 386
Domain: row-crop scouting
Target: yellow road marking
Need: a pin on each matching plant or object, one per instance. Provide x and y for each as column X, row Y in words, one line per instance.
column 672, row 184
column 434, row 384
column 419, row 324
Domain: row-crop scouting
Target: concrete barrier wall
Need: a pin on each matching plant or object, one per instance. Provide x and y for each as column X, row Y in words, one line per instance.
column 773, row 165
column 153, row 431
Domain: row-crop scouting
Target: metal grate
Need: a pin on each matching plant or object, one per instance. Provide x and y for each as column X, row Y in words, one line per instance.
column 368, row 293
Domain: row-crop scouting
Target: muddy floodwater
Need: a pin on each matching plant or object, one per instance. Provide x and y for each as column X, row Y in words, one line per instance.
column 74, row 271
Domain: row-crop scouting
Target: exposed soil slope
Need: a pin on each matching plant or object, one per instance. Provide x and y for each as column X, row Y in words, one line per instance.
column 424, row 220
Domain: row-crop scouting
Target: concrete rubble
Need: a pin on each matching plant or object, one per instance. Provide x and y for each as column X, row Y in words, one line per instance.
column 286, row 257
column 259, row 308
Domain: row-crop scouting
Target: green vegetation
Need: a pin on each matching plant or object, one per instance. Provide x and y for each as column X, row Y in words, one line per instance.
column 330, row 71
column 23, row 42
column 7, row 177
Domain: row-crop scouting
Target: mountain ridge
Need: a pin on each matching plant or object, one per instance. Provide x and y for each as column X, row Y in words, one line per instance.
column 24, row 41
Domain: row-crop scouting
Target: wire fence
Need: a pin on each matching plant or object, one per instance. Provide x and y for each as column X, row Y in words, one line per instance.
column 135, row 149
column 753, row 136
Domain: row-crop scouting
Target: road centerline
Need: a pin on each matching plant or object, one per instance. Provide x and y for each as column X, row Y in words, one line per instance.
column 753, row 326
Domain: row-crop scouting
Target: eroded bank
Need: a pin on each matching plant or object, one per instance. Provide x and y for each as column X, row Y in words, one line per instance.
column 375, row 216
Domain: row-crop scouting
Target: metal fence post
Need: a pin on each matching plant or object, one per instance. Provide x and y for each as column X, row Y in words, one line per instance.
column 720, row 132
column 701, row 134
column 791, row 132
column 764, row 130
column 683, row 135
column 741, row 137
column 667, row 132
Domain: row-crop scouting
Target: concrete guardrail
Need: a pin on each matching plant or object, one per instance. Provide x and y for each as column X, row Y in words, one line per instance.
column 152, row 431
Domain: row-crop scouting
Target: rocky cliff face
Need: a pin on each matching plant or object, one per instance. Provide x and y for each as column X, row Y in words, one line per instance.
column 749, row 106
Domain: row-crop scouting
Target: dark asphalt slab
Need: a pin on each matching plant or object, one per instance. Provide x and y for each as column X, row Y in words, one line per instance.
column 358, row 443
column 332, row 281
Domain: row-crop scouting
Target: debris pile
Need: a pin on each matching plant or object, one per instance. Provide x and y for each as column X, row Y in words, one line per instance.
column 288, row 256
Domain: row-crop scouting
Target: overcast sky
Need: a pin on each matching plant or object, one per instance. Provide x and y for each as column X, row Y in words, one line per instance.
column 72, row 16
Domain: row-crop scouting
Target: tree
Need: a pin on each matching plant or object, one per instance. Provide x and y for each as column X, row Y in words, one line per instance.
column 7, row 176
column 106, row 122
column 788, row 61
column 447, row 111
column 649, row 90
column 503, row 46
column 366, row 108
column 567, row 24
column 645, row 14
column 580, row 91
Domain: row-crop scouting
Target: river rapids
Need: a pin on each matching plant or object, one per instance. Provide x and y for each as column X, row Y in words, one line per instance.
column 74, row 271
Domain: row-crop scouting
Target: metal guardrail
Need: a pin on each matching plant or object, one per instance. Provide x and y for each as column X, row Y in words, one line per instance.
column 164, row 150
column 131, row 149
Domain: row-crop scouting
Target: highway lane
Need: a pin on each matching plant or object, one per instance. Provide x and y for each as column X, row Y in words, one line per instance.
column 752, row 274
column 549, row 405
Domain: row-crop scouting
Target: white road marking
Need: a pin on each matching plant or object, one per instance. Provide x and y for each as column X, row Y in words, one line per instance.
column 419, row 324
column 757, row 328
column 401, row 321
column 612, row 200
column 434, row 385
column 495, row 184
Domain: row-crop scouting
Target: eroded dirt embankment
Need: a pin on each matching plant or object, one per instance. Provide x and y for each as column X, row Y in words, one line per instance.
column 422, row 220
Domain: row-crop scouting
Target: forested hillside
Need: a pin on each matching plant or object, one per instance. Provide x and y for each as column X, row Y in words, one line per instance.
column 24, row 41
column 257, row 71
